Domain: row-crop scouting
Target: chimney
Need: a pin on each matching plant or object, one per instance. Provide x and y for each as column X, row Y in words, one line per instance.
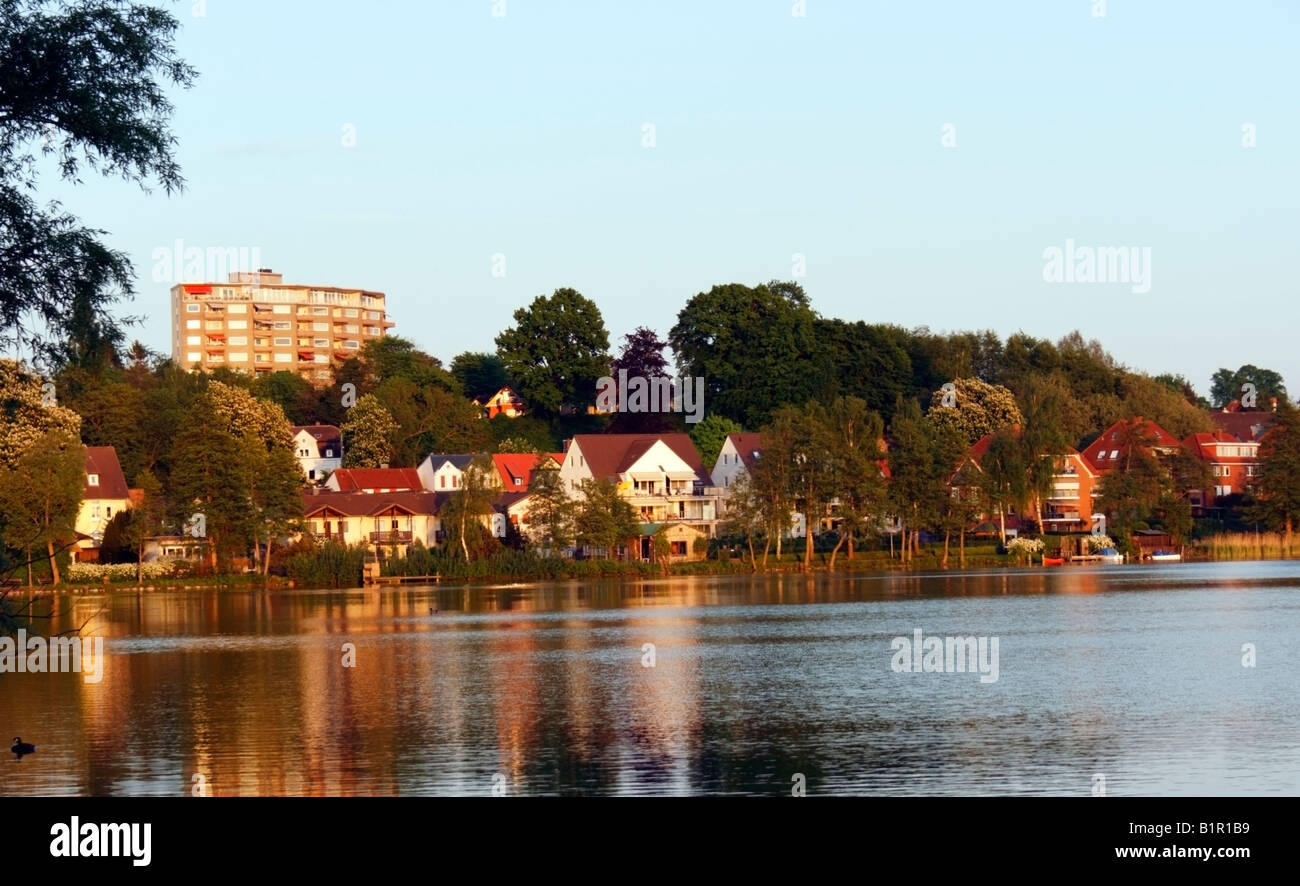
column 1273, row 402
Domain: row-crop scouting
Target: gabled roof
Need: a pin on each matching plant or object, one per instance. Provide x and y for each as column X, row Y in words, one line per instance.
column 749, row 446
column 513, row 466
column 505, row 396
column 1205, row 444
column 1244, row 425
column 459, row 460
column 365, row 504
column 374, row 479
column 1107, row 450
column 102, row 460
column 320, row 432
column 609, row 455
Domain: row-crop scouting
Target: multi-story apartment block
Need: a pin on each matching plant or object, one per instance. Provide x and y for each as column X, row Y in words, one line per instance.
column 256, row 323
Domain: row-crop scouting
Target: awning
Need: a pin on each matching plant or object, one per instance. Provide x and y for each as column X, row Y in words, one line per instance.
column 198, row 290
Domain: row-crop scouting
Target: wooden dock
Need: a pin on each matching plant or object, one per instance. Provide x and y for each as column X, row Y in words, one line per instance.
column 404, row 579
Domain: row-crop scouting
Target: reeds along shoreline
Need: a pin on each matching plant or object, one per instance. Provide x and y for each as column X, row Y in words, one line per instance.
column 1245, row 546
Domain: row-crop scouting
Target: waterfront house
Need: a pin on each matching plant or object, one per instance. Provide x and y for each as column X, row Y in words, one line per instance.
column 660, row 475
column 1234, row 464
column 384, row 521
column 739, row 453
column 443, row 471
column 104, row 494
column 319, row 450
column 375, row 480
column 1114, row 446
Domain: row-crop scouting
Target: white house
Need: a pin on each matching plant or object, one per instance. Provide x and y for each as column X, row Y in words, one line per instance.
column 443, row 472
column 318, row 448
column 660, row 475
column 735, row 460
column 380, row 520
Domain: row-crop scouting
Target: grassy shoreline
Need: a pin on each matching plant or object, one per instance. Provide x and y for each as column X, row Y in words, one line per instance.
column 872, row 562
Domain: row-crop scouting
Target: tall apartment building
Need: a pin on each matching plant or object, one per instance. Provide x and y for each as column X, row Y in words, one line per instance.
column 256, row 323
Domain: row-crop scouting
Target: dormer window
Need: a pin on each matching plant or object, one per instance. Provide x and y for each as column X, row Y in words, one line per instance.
column 92, row 479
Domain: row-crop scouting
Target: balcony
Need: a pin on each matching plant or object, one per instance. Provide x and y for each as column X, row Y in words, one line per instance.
column 392, row 536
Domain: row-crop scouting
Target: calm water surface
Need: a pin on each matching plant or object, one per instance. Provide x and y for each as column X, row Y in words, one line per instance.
column 1132, row 672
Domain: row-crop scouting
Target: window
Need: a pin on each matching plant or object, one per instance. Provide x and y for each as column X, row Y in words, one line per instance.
column 283, row 341
column 351, row 312
column 679, row 549
column 372, row 315
column 284, row 358
column 519, row 481
column 351, row 329
column 193, row 340
column 282, row 309
column 192, row 309
column 239, row 357
column 321, row 358
column 442, row 481
column 352, row 345
column 262, row 358
column 329, row 453
column 92, row 479
column 1114, row 453
column 236, row 324
column 193, row 324
column 239, row 340
column 1227, row 471
column 320, row 327
column 283, row 325
column 320, row 342
column 192, row 357
column 238, row 309
column 108, row 511
column 321, row 311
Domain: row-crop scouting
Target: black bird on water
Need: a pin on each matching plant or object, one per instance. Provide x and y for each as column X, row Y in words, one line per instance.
column 21, row 747
column 433, row 610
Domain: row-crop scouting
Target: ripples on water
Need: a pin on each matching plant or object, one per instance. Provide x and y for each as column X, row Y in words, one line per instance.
column 1131, row 672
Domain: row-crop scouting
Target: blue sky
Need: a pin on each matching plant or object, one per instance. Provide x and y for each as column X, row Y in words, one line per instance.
column 774, row 135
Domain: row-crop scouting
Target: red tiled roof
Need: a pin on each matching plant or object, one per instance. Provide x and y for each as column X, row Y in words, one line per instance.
column 102, row 460
column 394, row 479
column 363, row 504
column 747, row 444
column 512, row 465
column 1245, row 425
column 1204, row 444
column 609, row 455
column 1105, row 443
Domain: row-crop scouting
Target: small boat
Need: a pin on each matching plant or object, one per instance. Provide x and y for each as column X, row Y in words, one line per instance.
column 1053, row 561
column 1110, row 555
column 1166, row 555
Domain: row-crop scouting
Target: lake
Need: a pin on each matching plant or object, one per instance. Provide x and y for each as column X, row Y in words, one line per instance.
column 1129, row 679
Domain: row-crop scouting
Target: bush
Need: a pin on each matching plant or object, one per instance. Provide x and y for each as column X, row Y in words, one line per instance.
column 100, row 572
column 330, row 565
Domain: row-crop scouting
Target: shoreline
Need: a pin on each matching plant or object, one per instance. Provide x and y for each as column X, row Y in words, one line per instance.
column 860, row 565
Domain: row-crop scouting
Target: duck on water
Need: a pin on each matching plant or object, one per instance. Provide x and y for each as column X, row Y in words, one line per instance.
column 21, row 747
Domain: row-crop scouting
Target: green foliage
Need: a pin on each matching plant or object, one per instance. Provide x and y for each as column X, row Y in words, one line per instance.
column 327, row 565
column 479, row 375
column 1226, row 386
column 604, row 520
column 1276, row 502
column 368, row 434
column 710, row 434
column 752, row 346
column 26, row 414
column 40, row 495
column 465, row 516
column 89, row 83
column 556, row 351
column 550, row 511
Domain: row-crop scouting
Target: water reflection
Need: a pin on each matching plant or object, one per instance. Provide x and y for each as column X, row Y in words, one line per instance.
column 541, row 688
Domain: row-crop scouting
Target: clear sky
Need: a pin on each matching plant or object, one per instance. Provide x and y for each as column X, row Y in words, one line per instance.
column 773, row 135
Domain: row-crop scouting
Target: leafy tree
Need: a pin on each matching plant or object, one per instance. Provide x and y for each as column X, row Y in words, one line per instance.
column 275, row 483
column 393, row 357
column 295, row 395
column 28, row 411
column 115, row 544
column 861, row 360
column 431, row 419
column 852, row 435
column 479, row 375
column 710, row 435
column 82, row 84
column 1004, row 473
column 642, row 357
column 465, row 514
column 556, row 351
column 747, row 517
column 1226, row 386
column 980, row 408
column 752, row 345
column 922, row 458
column 146, row 518
column 40, row 496
column 550, row 510
column 236, row 410
column 368, row 434
column 1276, row 499
column 211, row 476
column 604, row 519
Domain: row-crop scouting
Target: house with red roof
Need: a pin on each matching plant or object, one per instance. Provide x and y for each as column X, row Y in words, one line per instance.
column 736, row 459
column 660, row 475
column 1069, row 506
column 504, row 402
column 1115, row 445
column 1234, row 464
column 104, row 494
column 375, row 480
column 381, row 520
